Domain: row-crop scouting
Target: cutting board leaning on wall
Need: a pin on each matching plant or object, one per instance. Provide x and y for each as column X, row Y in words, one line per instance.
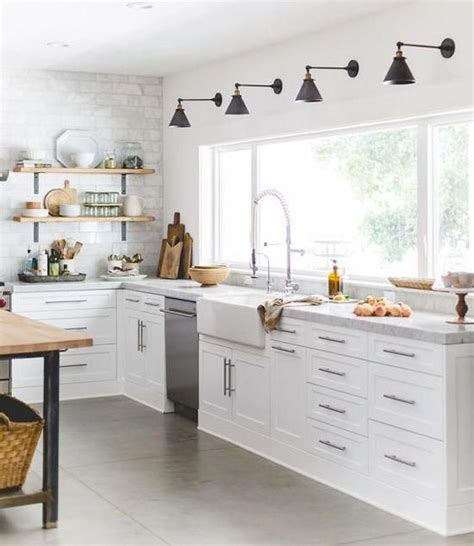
column 176, row 251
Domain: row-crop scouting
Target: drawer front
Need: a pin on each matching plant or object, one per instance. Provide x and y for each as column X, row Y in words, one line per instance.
column 406, row 353
column 337, row 409
column 59, row 301
column 153, row 304
column 406, row 399
column 132, row 300
column 406, row 460
column 77, row 366
column 338, row 340
column 342, row 373
column 100, row 324
column 337, row 445
column 290, row 331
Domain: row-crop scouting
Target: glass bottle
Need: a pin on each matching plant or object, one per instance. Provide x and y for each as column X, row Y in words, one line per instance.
column 335, row 282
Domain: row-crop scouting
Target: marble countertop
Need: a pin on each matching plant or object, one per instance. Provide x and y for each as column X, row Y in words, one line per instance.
column 422, row 326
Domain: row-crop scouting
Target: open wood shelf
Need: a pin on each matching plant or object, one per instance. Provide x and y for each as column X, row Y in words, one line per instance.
column 78, row 170
column 59, row 219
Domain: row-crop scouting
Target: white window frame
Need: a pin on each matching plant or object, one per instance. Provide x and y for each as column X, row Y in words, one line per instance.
column 427, row 229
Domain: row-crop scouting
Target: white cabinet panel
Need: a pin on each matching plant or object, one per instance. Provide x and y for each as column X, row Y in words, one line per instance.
column 250, row 380
column 153, row 304
column 337, row 408
column 338, row 445
column 134, row 357
column 290, row 331
column 406, row 353
column 407, row 461
column 213, row 380
column 58, row 301
column 288, row 394
column 338, row 340
column 342, row 373
column 406, row 399
column 154, row 352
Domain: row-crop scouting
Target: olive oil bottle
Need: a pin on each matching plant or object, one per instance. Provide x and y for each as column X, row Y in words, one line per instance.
column 335, row 281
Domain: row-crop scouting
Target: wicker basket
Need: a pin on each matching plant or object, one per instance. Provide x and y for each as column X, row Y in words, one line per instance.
column 408, row 282
column 20, row 429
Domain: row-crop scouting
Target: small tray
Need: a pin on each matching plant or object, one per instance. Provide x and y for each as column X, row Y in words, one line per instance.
column 410, row 282
column 57, row 278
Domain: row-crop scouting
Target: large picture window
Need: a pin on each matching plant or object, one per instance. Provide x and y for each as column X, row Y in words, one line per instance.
column 396, row 199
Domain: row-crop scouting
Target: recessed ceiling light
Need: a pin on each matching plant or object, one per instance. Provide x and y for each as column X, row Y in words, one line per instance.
column 140, row 5
column 57, row 44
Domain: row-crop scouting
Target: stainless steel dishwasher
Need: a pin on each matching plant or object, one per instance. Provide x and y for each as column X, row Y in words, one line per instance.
column 182, row 356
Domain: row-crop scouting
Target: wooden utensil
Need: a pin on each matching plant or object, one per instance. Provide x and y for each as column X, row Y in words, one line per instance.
column 171, row 260
column 57, row 197
column 176, row 229
column 186, row 257
column 72, row 192
column 75, row 249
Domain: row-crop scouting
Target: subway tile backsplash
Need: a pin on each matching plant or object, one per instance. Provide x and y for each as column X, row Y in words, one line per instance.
column 36, row 107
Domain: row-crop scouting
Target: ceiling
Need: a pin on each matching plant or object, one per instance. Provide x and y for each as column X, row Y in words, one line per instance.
column 109, row 37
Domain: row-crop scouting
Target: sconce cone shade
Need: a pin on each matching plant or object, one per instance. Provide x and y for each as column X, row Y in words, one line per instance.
column 309, row 92
column 179, row 119
column 399, row 73
column 237, row 106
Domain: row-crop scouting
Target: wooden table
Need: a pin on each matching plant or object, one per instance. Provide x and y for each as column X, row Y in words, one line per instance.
column 20, row 338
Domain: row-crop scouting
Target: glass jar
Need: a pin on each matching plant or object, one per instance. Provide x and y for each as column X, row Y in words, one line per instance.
column 110, row 161
column 133, row 154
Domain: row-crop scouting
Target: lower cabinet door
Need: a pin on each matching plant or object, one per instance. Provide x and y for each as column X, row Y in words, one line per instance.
column 250, row 381
column 154, row 351
column 288, row 396
column 214, row 397
column 134, row 357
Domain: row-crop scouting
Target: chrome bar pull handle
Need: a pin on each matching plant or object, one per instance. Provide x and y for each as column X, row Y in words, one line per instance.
column 332, row 339
column 142, row 335
column 333, row 372
column 401, row 461
column 285, row 331
column 152, row 304
column 74, row 365
column 131, row 300
column 138, row 336
column 399, row 353
column 77, row 328
column 230, row 390
column 334, row 446
column 290, row 351
column 398, row 399
column 225, row 376
column 66, row 301
column 330, row 408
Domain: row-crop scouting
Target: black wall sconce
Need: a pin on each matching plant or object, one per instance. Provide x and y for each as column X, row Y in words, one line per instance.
column 237, row 105
column 180, row 119
column 400, row 74
column 310, row 93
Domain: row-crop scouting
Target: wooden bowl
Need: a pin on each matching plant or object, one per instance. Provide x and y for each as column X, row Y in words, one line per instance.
column 209, row 275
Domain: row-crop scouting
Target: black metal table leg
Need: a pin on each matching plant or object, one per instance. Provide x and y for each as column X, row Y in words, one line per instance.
column 51, row 439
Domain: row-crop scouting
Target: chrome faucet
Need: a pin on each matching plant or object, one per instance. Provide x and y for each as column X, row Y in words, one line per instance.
column 290, row 285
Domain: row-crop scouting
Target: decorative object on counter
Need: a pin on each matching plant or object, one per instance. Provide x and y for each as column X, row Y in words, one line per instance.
column 117, row 263
column 335, row 281
column 53, row 266
column 186, row 257
column 458, row 279
column 132, row 153
column 400, row 74
column 73, row 142
column 20, row 429
column 270, row 311
column 133, row 205
column 209, row 275
column 412, row 282
column 174, row 262
column 310, row 93
column 381, row 307
column 180, row 119
column 342, row 298
column 110, row 161
column 123, row 276
column 76, row 277
column 59, row 196
column 461, row 306
column 237, row 105
column 171, row 259
column 42, row 261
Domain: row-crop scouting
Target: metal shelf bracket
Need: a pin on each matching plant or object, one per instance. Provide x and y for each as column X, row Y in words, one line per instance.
column 124, row 231
column 36, row 232
column 36, row 183
column 124, row 184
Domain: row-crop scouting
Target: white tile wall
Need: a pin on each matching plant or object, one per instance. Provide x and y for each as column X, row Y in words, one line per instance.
column 35, row 107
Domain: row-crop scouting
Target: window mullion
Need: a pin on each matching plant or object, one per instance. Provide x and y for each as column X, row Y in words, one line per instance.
column 255, row 178
column 424, row 242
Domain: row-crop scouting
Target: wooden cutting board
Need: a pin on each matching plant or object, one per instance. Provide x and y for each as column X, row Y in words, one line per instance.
column 59, row 196
column 72, row 192
column 162, row 255
column 176, row 229
column 186, row 257
column 171, row 260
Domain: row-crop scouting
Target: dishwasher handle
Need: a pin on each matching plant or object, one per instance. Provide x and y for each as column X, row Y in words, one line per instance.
column 178, row 313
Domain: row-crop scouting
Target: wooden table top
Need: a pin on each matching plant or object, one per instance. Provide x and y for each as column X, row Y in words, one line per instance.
column 21, row 335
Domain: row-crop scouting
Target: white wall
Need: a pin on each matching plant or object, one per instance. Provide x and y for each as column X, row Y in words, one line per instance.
column 36, row 106
column 442, row 85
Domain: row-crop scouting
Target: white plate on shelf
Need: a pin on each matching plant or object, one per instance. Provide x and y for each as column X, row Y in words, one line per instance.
column 74, row 141
column 123, row 277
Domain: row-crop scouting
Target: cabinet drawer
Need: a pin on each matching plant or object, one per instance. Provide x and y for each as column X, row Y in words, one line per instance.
column 132, row 300
column 337, row 409
column 342, row 373
column 338, row 340
column 406, row 399
column 406, row 460
column 406, row 353
column 100, row 324
column 153, row 304
column 337, row 445
column 290, row 331
column 58, row 301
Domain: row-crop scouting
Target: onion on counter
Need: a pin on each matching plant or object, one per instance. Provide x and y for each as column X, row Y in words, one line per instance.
column 381, row 307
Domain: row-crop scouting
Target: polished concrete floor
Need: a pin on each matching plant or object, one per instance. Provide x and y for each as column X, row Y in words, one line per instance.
column 132, row 476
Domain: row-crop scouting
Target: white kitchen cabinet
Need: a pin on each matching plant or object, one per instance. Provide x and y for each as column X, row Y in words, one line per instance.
column 153, row 340
column 288, row 394
column 134, row 357
column 235, row 385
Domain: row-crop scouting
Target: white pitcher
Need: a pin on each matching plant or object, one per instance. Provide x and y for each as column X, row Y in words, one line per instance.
column 133, row 205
